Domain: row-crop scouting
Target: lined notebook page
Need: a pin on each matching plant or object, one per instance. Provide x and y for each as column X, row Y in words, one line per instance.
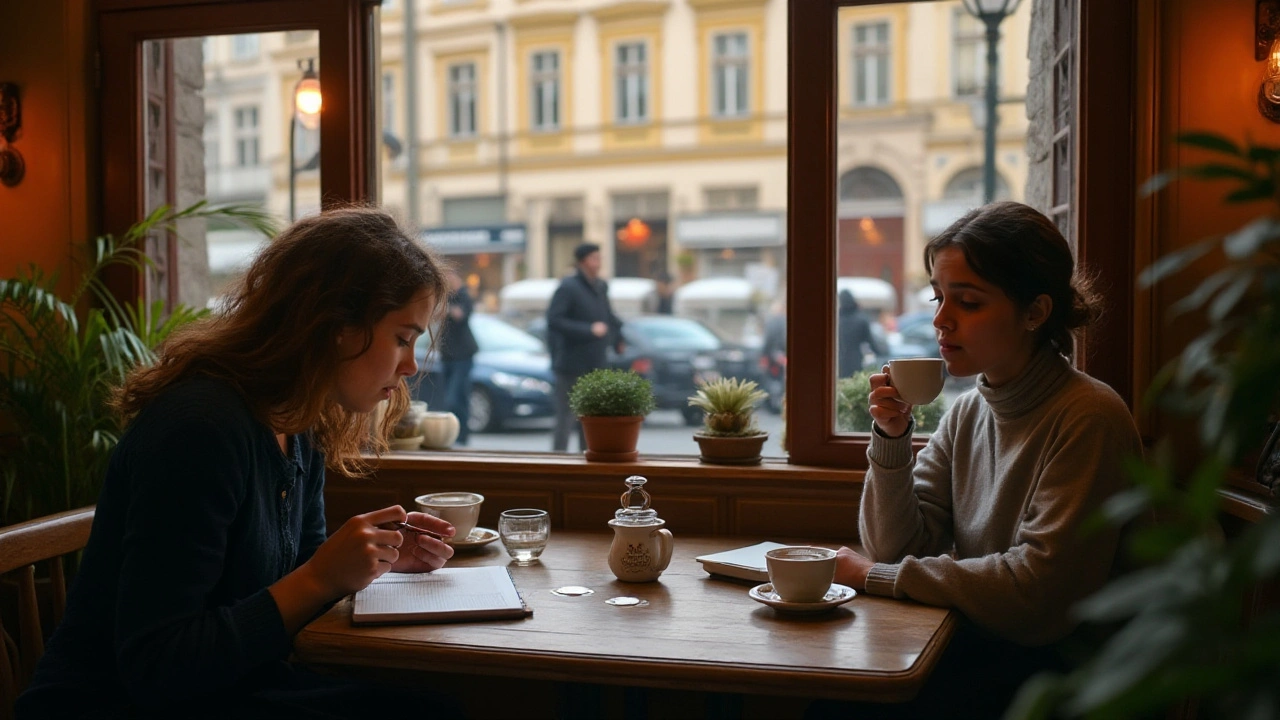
column 447, row 591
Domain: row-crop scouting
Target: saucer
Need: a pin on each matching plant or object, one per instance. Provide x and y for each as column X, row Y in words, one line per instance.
column 836, row 595
column 479, row 537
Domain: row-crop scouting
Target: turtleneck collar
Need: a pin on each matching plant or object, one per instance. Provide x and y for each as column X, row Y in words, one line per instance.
column 1040, row 379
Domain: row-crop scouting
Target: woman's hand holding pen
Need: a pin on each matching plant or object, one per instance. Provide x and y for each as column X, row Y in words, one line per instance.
column 890, row 412
column 423, row 548
column 357, row 553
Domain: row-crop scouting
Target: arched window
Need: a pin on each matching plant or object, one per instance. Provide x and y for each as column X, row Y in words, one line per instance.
column 868, row 183
column 967, row 185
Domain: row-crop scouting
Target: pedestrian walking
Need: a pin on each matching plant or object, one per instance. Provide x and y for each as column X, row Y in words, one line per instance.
column 581, row 327
column 458, row 349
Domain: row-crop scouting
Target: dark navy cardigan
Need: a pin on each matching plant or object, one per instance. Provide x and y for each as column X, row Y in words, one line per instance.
column 200, row 512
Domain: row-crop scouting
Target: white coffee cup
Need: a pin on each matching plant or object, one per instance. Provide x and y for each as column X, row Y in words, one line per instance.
column 800, row 573
column 918, row 380
column 459, row 509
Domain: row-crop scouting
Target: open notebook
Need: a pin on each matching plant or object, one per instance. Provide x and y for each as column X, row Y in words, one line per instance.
column 446, row 595
column 745, row 563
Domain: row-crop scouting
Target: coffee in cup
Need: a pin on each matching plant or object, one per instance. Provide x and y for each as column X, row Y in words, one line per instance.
column 459, row 509
column 801, row 573
column 918, row 380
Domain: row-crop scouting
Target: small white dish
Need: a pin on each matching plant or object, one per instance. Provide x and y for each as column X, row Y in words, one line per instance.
column 479, row 537
column 409, row 443
column 837, row 595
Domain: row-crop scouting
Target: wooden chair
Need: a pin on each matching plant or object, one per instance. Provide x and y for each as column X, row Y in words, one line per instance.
column 21, row 546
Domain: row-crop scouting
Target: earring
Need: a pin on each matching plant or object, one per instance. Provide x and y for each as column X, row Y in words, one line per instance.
column 1032, row 327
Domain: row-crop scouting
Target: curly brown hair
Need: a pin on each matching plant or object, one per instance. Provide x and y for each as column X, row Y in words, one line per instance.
column 1019, row 250
column 274, row 339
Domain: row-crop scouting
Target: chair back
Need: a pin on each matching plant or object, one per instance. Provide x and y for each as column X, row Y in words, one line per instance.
column 21, row 547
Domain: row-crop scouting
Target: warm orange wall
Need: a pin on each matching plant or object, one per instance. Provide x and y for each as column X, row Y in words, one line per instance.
column 1207, row 80
column 43, row 49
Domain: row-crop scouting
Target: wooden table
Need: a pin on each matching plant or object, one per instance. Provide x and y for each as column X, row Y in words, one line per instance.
column 695, row 633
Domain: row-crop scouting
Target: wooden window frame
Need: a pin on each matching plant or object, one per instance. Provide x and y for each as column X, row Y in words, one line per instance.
column 1105, row 194
column 347, row 38
column 1106, row 197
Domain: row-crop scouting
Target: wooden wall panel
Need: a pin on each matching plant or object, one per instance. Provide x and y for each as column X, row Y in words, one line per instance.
column 784, row 517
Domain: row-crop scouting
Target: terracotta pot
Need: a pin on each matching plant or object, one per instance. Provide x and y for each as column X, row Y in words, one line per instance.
column 730, row 450
column 612, row 439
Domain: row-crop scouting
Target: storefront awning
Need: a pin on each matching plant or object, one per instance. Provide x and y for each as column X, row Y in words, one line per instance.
column 473, row 240
column 732, row 230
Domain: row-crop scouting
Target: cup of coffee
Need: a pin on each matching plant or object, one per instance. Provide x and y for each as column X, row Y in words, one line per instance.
column 801, row 573
column 918, row 380
column 459, row 509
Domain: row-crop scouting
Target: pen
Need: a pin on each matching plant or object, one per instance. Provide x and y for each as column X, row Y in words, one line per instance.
column 406, row 527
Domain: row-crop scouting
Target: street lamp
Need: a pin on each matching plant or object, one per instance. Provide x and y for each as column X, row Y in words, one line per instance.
column 306, row 111
column 991, row 13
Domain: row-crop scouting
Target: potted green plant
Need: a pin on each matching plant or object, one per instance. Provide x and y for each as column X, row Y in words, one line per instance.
column 1181, row 633
column 61, row 357
column 611, row 405
column 853, row 412
column 729, row 435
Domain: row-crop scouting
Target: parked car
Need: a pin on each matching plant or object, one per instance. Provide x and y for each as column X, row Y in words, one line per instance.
column 511, row 377
column 675, row 353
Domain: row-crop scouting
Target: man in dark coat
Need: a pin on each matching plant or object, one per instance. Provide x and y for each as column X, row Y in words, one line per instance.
column 581, row 327
column 854, row 336
column 457, row 354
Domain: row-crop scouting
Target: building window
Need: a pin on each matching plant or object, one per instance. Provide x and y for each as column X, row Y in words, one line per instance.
column 244, row 47
column 871, row 64
column 732, row 199
column 633, row 83
column 462, row 100
column 247, row 136
column 546, row 90
column 729, row 68
column 211, row 145
column 969, row 55
column 389, row 102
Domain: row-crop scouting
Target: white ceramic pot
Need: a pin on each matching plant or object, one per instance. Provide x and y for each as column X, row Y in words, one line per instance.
column 438, row 429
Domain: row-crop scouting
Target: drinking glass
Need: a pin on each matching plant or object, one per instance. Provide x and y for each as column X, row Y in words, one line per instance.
column 524, row 533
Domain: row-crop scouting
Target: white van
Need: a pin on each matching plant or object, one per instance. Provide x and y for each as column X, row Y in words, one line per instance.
column 525, row 300
column 727, row 304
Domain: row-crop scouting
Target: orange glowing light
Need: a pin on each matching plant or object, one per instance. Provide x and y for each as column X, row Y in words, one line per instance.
column 635, row 233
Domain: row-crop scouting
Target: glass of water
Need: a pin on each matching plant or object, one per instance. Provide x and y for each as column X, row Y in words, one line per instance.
column 524, row 532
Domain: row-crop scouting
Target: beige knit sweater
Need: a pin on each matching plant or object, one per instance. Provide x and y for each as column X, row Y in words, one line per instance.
column 986, row 519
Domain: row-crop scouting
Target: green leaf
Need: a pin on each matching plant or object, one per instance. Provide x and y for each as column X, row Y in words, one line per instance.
column 1210, row 141
column 1257, row 191
column 1250, row 239
column 1173, row 262
column 1226, row 302
column 1215, row 171
column 1158, row 182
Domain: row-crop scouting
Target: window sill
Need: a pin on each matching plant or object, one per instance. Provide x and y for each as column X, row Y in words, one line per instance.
column 774, row 499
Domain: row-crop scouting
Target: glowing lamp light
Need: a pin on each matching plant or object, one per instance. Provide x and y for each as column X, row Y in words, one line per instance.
column 635, row 233
column 306, row 97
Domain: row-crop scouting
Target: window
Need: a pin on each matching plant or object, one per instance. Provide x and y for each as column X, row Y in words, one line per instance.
column 546, row 90
column 389, row 102
column 731, row 199
column 244, row 47
column 212, row 160
column 729, row 71
column 246, row 136
column 871, row 64
column 633, row 83
column 969, row 55
column 462, row 100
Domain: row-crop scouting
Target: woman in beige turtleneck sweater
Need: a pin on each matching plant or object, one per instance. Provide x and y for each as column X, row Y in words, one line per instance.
column 986, row 519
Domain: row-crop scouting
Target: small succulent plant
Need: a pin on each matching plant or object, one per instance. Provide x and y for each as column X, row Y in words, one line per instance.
column 729, row 404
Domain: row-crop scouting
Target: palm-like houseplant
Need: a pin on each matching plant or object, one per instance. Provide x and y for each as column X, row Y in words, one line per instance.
column 611, row 404
column 61, row 359
column 1182, row 634
column 730, row 434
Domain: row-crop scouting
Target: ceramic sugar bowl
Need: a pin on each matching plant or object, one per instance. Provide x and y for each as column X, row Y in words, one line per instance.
column 641, row 546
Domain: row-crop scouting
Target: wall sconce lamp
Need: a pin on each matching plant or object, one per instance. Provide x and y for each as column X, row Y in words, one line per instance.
column 1267, row 48
column 12, row 168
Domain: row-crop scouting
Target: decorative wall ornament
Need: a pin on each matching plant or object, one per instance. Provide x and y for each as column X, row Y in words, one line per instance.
column 12, row 167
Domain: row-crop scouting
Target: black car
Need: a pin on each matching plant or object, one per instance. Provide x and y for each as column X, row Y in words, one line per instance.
column 676, row 353
column 511, row 376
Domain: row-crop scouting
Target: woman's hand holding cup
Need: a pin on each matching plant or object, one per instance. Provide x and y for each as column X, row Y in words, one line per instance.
column 890, row 412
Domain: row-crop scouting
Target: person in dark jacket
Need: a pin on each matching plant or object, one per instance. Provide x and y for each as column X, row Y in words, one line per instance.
column 853, row 336
column 209, row 550
column 457, row 353
column 581, row 327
